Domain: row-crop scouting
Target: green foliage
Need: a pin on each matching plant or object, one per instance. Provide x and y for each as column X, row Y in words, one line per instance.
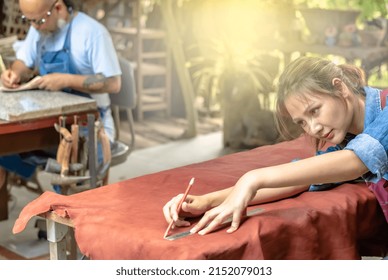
column 219, row 68
column 373, row 8
column 369, row 8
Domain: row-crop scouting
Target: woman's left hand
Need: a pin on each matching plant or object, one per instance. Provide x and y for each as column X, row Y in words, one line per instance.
column 233, row 206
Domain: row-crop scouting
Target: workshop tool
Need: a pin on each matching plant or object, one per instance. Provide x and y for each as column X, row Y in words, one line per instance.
column 102, row 171
column 2, row 65
column 105, row 143
column 92, row 146
column 66, row 170
column 180, row 206
column 75, row 136
column 74, row 147
column 250, row 213
column 57, row 179
column 106, row 151
column 64, row 149
column 67, row 180
column 53, row 166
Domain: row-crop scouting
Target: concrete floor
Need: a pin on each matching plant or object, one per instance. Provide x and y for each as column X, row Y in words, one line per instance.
column 165, row 156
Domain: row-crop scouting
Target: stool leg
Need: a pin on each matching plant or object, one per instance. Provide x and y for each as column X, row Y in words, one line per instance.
column 3, row 195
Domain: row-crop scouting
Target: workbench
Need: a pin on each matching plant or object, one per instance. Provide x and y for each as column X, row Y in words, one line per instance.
column 27, row 121
column 27, row 118
column 124, row 220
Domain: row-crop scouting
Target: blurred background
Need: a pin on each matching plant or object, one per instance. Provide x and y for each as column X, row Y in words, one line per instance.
column 205, row 75
column 213, row 64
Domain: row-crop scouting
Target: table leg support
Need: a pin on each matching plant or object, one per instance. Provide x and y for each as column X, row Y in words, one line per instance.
column 56, row 235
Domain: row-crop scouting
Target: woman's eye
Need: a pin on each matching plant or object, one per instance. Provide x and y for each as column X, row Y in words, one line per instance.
column 301, row 123
column 315, row 111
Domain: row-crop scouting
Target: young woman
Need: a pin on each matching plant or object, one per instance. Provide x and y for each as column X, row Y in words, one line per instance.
column 331, row 104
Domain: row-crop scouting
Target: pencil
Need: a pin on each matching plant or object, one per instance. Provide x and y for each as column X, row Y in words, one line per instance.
column 180, row 205
column 2, row 65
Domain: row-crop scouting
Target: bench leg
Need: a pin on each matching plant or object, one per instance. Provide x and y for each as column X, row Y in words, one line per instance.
column 56, row 235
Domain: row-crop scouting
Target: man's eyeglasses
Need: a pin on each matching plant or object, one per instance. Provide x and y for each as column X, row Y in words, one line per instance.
column 41, row 21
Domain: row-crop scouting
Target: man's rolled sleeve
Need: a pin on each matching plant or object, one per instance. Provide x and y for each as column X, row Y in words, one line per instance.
column 371, row 152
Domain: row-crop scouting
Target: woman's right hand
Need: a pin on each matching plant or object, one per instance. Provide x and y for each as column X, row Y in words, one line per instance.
column 193, row 206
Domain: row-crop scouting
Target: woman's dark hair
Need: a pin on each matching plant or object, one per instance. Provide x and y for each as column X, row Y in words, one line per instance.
column 314, row 75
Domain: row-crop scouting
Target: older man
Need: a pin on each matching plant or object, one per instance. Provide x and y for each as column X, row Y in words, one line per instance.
column 71, row 51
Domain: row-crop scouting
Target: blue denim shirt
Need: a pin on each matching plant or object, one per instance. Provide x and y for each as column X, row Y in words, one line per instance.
column 371, row 145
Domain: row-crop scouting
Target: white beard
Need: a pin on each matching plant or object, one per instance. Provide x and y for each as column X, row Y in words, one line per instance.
column 61, row 23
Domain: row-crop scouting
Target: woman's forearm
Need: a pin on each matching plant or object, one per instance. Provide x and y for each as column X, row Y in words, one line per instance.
column 216, row 198
column 337, row 166
column 285, row 180
column 274, row 194
column 262, row 195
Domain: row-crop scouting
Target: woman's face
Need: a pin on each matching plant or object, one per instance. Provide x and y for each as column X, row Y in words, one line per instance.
column 322, row 116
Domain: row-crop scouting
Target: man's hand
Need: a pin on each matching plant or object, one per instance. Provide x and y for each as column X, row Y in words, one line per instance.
column 53, row 82
column 10, row 79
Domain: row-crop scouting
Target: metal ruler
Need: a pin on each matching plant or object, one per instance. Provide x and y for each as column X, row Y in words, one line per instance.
column 250, row 213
